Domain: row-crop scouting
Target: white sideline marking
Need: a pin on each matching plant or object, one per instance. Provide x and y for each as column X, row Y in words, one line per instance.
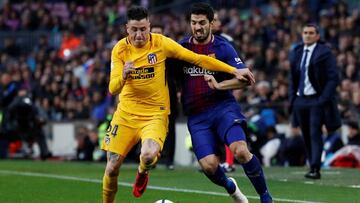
column 322, row 172
column 90, row 180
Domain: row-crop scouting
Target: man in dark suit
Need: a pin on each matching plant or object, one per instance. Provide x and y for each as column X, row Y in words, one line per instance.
column 312, row 90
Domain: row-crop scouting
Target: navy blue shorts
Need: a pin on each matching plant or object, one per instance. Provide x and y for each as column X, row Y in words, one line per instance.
column 209, row 129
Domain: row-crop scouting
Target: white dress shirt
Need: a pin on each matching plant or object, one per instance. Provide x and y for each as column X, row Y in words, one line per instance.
column 308, row 88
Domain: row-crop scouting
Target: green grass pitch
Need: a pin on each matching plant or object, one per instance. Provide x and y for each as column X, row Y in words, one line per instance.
column 66, row 182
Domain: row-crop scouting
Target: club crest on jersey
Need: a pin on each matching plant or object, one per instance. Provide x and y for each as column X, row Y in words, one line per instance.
column 107, row 140
column 152, row 58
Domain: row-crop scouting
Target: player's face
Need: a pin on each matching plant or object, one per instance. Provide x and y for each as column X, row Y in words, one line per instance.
column 200, row 27
column 310, row 36
column 138, row 31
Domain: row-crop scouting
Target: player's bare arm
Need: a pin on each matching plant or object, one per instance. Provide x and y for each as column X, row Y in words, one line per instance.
column 245, row 74
column 231, row 84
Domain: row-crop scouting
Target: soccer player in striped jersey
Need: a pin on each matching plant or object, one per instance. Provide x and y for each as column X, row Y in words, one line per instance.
column 138, row 76
column 214, row 116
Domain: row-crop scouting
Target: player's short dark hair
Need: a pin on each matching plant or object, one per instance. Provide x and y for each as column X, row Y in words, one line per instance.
column 317, row 28
column 137, row 13
column 202, row 8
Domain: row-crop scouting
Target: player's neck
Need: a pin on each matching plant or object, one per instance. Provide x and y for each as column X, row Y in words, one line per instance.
column 207, row 41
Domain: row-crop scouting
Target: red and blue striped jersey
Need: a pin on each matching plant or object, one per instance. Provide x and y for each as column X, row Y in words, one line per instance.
column 196, row 95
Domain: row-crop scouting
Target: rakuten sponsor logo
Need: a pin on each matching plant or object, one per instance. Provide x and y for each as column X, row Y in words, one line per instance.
column 197, row 71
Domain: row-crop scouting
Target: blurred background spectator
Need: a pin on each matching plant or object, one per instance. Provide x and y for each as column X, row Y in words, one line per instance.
column 348, row 155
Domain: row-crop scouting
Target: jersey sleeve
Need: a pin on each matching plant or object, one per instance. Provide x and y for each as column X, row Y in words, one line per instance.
column 117, row 65
column 231, row 57
column 175, row 50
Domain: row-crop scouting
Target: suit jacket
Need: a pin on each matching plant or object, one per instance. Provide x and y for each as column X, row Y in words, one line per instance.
column 324, row 77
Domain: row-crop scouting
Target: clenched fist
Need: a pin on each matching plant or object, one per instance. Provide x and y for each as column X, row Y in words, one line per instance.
column 128, row 67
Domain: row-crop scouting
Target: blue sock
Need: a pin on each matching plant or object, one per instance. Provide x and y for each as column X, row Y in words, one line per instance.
column 266, row 198
column 219, row 178
column 255, row 173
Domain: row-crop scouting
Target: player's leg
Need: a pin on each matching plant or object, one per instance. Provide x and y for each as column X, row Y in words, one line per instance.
column 153, row 135
column 205, row 147
column 252, row 167
column 149, row 155
column 210, row 165
column 148, row 159
column 110, row 179
column 230, row 127
column 117, row 142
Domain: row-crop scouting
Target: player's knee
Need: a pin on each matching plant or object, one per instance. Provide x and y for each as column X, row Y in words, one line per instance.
column 149, row 152
column 209, row 169
column 148, row 161
column 147, row 157
column 209, row 166
column 242, row 154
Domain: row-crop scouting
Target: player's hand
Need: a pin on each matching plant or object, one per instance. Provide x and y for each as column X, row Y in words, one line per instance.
column 211, row 81
column 128, row 67
column 245, row 74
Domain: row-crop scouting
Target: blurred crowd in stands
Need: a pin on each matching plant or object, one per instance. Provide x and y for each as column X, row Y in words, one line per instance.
column 59, row 51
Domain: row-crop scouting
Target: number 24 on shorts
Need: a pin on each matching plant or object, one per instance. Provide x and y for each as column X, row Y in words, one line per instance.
column 112, row 130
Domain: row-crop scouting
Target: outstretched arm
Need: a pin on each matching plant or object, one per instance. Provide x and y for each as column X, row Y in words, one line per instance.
column 230, row 84
column 174, row 50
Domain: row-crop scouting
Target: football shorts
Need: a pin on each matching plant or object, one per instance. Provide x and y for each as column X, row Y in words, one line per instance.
column 210, row 129
column 126, row 130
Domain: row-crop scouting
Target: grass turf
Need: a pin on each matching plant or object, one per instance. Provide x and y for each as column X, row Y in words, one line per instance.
column 52, row 181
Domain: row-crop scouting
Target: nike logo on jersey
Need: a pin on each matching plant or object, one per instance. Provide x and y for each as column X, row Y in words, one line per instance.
column 238, row 60
column 238, row 121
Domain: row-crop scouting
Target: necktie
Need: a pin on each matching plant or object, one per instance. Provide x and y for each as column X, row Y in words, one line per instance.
column 302, row 74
